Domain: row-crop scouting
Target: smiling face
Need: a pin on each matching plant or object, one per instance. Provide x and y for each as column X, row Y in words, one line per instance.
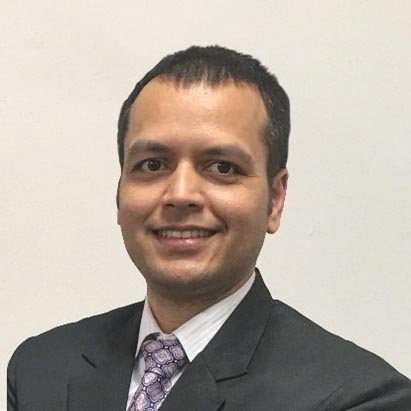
column 194, row 200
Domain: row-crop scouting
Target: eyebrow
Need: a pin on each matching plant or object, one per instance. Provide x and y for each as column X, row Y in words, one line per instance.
column 143, row 146
column 229, row 150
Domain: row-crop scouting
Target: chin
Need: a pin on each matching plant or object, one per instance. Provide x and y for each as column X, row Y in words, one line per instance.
column 184, row 274
column 182, row 279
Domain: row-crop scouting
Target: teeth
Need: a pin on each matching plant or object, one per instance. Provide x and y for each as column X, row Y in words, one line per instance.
column 184, row 234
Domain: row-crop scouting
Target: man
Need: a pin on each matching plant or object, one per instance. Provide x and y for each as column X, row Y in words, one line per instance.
column 203, row 143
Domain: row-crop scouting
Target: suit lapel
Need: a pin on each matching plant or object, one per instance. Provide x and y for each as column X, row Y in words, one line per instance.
column 227, row 355
column 195, row 390
column 104, row 385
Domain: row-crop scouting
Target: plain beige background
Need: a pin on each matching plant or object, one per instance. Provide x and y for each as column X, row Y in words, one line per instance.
column 342, row 256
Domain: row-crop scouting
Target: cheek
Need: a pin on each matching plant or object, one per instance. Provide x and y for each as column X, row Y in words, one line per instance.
column 243, row 210
column 135, row 204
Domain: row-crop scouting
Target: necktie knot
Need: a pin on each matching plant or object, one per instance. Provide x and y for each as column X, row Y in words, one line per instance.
column 163, row 356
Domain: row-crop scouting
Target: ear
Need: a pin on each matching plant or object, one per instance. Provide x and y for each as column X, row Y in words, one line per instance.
column 118, row 200
column 277, row 199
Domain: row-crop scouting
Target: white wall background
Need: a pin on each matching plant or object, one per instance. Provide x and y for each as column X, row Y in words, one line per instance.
column 343, row 254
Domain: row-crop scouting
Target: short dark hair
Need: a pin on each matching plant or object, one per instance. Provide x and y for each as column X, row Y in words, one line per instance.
column 215, row 65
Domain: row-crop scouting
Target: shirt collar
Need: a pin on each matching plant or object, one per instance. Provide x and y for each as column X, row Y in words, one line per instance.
column 197, row 332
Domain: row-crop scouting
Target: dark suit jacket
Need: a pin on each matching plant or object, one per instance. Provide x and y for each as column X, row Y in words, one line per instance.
column 266, row 357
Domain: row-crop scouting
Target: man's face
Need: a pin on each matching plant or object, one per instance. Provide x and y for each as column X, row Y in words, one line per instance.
column 194, row 199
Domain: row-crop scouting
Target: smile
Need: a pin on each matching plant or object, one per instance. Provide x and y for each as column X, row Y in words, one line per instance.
column 184, row 234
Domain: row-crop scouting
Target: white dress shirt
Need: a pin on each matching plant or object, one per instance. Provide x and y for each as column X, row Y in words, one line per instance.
column 193, row 335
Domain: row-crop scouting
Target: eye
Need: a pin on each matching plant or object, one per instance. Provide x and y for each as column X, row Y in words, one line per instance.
column 150, row 165
column 223, row 168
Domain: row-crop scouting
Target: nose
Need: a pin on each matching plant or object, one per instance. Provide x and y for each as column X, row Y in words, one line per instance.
column 184, row 188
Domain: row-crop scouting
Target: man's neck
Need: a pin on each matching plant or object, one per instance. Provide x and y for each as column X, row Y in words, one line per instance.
column 170, row 313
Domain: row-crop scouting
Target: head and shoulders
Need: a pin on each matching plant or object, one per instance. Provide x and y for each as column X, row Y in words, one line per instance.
column 203, row 148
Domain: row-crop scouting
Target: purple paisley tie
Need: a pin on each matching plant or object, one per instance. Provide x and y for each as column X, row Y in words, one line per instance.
column 163, row 358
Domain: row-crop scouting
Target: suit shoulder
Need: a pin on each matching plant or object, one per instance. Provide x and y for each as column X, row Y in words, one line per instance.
column 311, row 339
column 83, row 332
column 46, row 362
column 346, row 373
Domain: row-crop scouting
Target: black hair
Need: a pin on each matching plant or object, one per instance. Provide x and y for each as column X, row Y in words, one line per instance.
column 215, row 65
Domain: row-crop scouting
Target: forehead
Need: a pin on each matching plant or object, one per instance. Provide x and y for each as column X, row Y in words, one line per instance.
column 226, row 109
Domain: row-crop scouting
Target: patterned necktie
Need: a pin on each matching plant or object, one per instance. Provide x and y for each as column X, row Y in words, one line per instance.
column 163, row 358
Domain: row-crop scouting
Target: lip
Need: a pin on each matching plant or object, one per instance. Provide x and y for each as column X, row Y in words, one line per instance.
column 182, row 245
column 183, row 228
